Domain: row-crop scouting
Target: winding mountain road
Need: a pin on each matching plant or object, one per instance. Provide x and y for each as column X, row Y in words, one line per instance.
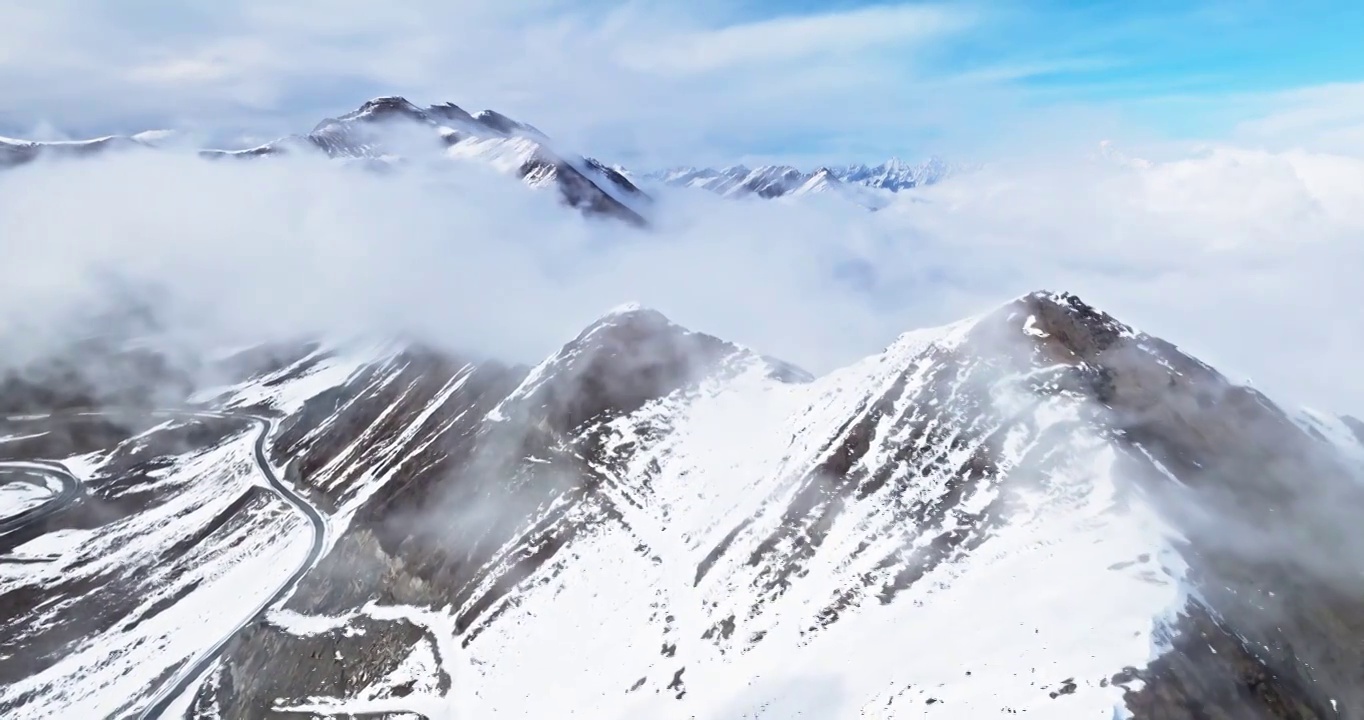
column 69, row 489
column 182, row 680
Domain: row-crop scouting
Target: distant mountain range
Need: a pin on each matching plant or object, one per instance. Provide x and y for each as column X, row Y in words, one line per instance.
column 391, row 130
column 771, row 181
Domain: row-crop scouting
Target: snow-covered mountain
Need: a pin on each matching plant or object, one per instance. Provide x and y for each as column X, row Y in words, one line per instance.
column 771, row 181
column 1039, row 511
column 390, row 130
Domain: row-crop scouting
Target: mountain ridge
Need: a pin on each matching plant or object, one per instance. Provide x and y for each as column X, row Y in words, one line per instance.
column 726, row 538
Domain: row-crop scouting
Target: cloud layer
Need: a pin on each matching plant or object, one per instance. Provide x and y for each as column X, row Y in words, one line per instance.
column 1246, row 258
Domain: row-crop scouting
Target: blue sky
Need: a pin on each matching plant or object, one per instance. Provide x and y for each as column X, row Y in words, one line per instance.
column 663, row 82
column 1171, row 53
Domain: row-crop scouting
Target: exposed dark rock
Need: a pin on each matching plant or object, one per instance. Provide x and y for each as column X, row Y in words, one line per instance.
column 621, row 362
column 270, row 663
column 1211, row 674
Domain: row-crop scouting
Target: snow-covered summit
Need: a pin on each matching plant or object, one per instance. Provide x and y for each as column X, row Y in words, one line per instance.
column 380, row 108
column 822, row 180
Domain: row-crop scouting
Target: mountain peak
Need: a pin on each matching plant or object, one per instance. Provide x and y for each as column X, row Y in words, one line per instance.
column 499, row 122
column 450, row 112
column 1082, row 328
column 624, row 309
column 1058, row 328
column 635, row 320
column 822, row 180
column 384, row 107
column 387, row 101
column 628, row 357
column 1059, row 298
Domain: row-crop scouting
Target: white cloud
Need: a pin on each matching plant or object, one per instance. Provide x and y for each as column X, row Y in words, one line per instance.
column 1323, row 117
column 1246, row 258
column 182, row 70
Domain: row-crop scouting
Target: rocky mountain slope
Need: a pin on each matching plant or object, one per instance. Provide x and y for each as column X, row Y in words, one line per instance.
column 1039, row 511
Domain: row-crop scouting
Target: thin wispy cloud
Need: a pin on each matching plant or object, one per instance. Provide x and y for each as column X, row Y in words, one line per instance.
column 1327, row 116
column 796, row 37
